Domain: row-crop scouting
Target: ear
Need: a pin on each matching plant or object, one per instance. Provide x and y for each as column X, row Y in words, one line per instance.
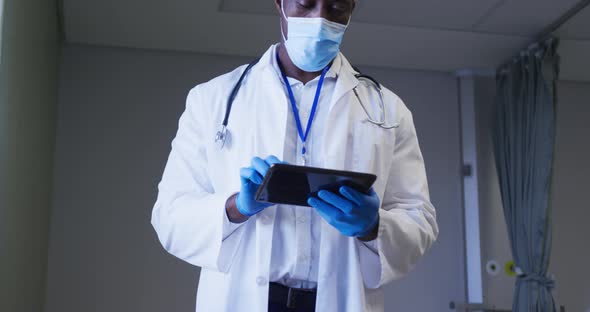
column 278, row 5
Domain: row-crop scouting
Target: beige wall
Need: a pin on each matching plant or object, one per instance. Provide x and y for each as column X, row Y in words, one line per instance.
column 1, row 23
column 495, row 245
column 28, row 101
column 570, row 257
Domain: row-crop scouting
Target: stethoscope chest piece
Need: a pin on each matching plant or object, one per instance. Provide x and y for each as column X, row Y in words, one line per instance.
column 222, row 137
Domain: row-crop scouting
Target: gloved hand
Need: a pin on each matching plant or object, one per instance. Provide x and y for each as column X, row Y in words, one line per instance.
column 351, row 212
column 251, row 178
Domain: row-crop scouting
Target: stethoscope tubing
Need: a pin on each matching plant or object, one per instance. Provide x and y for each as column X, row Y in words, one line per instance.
column 222, row 133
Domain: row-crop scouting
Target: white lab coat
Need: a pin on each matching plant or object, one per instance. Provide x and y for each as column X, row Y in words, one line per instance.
column 189, row 213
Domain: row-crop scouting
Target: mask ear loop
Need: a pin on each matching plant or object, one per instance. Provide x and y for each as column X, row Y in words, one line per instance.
column 348, row 23
column 286, row 20
column 349, row 19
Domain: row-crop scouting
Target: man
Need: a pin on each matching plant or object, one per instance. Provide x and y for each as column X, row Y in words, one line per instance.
column 335, row 256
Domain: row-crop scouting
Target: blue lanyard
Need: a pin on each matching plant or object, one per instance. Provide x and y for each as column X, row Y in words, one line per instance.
column 303, row 136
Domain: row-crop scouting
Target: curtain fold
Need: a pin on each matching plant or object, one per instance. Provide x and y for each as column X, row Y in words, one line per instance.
column 524, row 137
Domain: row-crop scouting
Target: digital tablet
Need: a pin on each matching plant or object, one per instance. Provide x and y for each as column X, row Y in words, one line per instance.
column 293, row 185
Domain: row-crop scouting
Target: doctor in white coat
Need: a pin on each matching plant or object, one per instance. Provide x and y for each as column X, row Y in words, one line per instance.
column 298, row 105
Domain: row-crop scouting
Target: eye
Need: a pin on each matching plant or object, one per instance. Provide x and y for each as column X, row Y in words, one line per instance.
column 340, row 8
column 304, row 5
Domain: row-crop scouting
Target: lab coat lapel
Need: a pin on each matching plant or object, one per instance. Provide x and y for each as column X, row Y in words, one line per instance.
column 271, row 111
column 270, row 106
column 339, row 120
column 345, row 83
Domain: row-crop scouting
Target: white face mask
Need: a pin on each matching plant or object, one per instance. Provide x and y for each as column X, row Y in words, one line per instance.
column 312, row 43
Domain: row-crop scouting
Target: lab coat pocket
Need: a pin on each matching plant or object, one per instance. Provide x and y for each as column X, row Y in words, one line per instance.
column 372, row 148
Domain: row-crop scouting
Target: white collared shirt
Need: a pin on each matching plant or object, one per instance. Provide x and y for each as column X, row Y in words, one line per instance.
column 296, row 237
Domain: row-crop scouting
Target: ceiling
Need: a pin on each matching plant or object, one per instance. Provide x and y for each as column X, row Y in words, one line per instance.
column 418, row 34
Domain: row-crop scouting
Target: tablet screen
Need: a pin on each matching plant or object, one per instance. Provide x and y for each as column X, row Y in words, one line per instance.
column 293, row 185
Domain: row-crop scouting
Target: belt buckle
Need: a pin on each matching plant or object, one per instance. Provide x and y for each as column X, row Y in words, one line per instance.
column 292, row 298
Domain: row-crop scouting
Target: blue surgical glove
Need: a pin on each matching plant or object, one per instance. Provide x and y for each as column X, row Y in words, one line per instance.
column 351, row 212
column 251, row 178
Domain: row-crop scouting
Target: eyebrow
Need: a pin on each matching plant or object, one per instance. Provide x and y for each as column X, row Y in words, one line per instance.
column 347, row 2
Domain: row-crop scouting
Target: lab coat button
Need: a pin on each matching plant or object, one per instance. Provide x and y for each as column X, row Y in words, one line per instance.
column 301, row 220
column 260, row 280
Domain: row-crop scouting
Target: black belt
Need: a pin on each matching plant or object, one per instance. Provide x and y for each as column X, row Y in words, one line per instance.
column 292, row 298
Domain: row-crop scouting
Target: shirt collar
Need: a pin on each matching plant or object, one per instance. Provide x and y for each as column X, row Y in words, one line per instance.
column 333, row 72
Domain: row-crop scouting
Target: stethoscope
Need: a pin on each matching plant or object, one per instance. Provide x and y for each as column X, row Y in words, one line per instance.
column 223, row 134
column 380, row 123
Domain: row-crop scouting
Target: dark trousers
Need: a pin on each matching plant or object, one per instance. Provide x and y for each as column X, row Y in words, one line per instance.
column 285, row 299
column 276, row 307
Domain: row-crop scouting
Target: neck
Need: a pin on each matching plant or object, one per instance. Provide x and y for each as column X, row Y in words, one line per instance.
column 291, row 70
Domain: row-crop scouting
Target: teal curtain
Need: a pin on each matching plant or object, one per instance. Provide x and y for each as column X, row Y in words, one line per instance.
column 524, row 138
